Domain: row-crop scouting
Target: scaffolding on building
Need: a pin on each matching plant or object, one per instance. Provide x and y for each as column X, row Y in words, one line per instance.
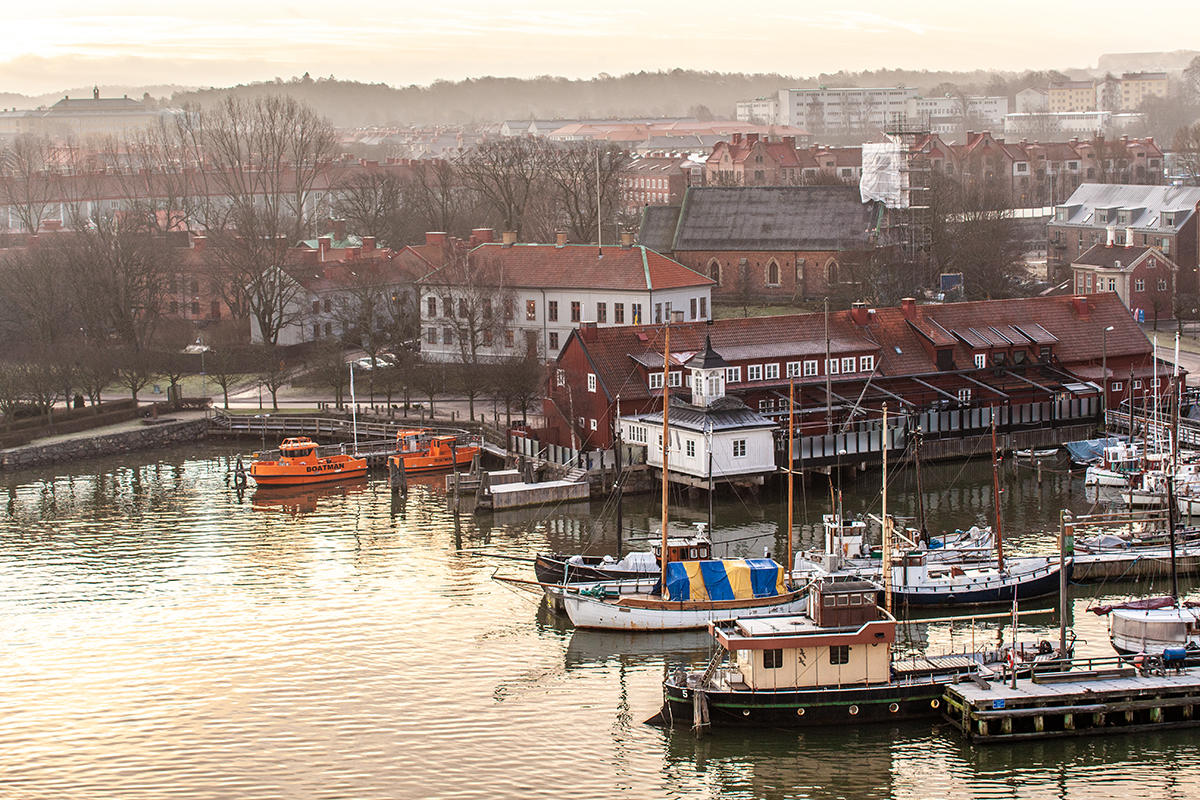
column 911, row 225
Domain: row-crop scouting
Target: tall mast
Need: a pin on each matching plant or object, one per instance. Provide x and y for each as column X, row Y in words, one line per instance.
column 996, row 498
column 790, row 476
column 828, row 387
column 887, row 527
column 666, row 445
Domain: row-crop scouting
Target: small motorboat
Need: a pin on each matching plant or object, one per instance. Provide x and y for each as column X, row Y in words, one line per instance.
column 419, row 450
column 300, row 462
column 1036, row 454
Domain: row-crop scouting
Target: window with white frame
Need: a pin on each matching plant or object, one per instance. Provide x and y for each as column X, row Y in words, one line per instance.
column 1137, row 384
column 739, row 448
column 793, row 369
column 831, row 366
column 771, row 372
column 1139, row 285
column 592, row 424
column 560, row 377
column 1162, row 284
column 848, row 364
column 676, row 378
column 980, row 360
column 754, row 372
column 691, row 448
column 656, row 380
column 964, row 395
column 1115, row 386
column 866, row 363
column 810, row 368
column 591, row 381
column 733, row 374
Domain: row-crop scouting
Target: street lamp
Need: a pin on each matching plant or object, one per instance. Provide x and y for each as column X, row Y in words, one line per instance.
column 1104, row 377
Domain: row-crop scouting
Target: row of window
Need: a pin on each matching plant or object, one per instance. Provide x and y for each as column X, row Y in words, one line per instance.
column 1084, row 284
column 770, row 372
column 698, row 308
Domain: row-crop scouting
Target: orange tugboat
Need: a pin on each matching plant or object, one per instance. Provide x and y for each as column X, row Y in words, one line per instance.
column 299, row 464
column 418, row 451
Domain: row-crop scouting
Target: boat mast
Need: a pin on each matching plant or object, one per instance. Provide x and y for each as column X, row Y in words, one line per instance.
column 353, row 408
column 996, row 496
column 920, row 491
column 790, row 476
column 620, row 486
column 828, row 380
column 666, row 443
column 1171, row 510
column 887, row 527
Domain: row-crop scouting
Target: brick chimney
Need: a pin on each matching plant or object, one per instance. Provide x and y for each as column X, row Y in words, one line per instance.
column 859, row 313
column 368, row 245
column 626, row 240
column 435, row 237
column 588, row 332
column 339, row 230
column 751, row 139
column 324, row 242
column 1080, row 304
column 737, row 138
column 560, row 239
column 482, row 236
column 510, row 238
column 199, row 242
column 52, row 224
column 908, row 307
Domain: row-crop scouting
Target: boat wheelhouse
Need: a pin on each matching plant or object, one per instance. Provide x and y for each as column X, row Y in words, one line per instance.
column 300, row 462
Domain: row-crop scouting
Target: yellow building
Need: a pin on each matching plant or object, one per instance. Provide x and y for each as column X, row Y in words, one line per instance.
column 1137, row 86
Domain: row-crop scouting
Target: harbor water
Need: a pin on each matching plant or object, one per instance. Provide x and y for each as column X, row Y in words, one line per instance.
column 164, row 636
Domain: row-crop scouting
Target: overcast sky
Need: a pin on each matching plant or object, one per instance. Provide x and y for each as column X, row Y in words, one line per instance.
column 67, row 43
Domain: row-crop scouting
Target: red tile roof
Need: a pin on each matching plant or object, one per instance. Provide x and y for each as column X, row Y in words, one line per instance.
column 577, row 266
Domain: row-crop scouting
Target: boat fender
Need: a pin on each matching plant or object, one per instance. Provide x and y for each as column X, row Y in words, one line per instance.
column 799, row 712
column 745, row 712
column 934, row 703
column 1045, row 648
column 894, row 707
column 853, row 711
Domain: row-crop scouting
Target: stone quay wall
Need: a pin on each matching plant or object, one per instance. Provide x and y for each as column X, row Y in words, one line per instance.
column 161, row 434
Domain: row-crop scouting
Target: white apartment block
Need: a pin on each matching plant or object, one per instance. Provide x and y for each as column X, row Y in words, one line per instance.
column 826, row 111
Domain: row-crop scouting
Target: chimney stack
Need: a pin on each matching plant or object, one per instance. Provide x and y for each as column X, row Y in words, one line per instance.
column 339, row 230
column 858, row 313
column 626, row 240
column 435, row 237
column 1129, row 237
column 1080, row 304
column 1112, row 236
column 510, row 238
column 482, row 236
column 368, row 245
column 560, row 240
column 325, row 243
column 588, row 332
column 198, row 242
column 908, row 307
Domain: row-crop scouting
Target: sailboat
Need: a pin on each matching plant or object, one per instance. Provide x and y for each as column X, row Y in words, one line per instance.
column 688, row 594
column 917, row 580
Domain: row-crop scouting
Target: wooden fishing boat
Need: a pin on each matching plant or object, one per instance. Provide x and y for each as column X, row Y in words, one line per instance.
column 832, row 665
column 300, row 463
column 418, row 450
column 1036, row 454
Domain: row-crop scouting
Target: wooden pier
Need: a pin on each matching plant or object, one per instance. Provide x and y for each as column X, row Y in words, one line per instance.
column 1099, row 696
column 515, row 495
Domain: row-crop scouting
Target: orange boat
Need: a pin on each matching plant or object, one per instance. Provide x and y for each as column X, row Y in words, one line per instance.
column 299, row 464
column 421, row 452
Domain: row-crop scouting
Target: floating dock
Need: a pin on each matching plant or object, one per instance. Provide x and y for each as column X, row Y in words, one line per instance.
column 515, row 495
column 1113, row 696
column 1135, row 562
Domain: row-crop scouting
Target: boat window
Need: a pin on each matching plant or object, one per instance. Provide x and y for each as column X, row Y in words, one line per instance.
column 856, row 599
column 829, row 602
column 773, row 659
column 692, row 553
column 843, row 600
column 839, row 654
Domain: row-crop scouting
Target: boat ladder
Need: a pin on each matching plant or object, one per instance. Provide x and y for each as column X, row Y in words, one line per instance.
column 713, row 665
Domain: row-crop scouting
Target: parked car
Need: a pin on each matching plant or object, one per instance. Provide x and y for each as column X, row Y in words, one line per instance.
column 382, row 361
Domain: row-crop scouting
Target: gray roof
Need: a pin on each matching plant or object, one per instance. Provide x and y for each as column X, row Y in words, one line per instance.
column 657, row 231
column 775, row 218
column 1152, row 199
column 689, row 417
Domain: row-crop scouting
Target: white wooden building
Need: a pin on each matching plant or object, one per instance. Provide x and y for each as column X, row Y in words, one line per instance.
column 714, row 438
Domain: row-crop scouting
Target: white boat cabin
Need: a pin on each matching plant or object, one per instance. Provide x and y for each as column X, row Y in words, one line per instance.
column 843, row 640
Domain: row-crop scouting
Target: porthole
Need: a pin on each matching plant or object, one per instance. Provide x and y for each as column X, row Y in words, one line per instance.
column 853, row 710
column 894, row 707
column 934, row 703
column 745, row 712
column 799, row 712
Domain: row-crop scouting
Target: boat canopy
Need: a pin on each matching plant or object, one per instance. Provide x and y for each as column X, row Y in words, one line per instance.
column 1086, row 450
column 729, row 579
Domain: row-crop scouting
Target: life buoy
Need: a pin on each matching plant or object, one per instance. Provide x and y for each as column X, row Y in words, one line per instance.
column 239, row 480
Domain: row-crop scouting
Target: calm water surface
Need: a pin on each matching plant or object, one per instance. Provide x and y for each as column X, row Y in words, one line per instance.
column 162, row 637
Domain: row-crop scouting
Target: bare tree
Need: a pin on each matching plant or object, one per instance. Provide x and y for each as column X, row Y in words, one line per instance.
column 440, row 198
column 376, row 204
column 30, row 185
column 508, row 174
column 134, row 370
column 584, row 175
column 1187, row 152
column 95, row 370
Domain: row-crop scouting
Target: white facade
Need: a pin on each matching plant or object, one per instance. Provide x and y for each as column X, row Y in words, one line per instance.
column 1048, row 123
column 544, row 318
column 735, row 452
column 761, row 111
column 945, row 114
column 834, row 111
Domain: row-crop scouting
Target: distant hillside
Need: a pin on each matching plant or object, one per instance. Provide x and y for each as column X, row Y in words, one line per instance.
column 636, row 94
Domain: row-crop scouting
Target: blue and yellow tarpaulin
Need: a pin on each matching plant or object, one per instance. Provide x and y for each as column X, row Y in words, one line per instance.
column 731, row 579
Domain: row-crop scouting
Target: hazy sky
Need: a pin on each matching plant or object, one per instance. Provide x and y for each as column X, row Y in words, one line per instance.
column 221, row 42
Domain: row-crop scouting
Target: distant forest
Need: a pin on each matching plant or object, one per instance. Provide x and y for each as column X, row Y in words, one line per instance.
column 677, row 93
